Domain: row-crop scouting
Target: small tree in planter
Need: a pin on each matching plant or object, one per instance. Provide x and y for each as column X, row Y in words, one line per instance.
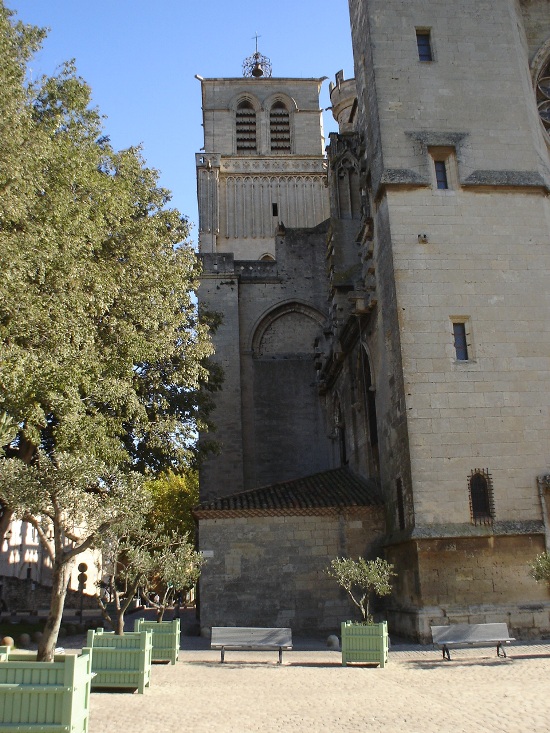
column 540, row 568
column 364, row 641
column 137, row 556
column 361, row 579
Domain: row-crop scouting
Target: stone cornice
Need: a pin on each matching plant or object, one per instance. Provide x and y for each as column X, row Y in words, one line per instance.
column 466, row 530
column 312, row 165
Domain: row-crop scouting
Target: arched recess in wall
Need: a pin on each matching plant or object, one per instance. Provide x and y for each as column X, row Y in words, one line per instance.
column 340, row 431
column 540, row 73
column 286, row 424
column 347, row 189
column 289, row 328
column 366, row 380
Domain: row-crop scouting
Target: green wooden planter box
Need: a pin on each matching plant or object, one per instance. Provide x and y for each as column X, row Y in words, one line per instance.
column 368, row 643
column 44, row 696
column 166, row 638
column 121, row 661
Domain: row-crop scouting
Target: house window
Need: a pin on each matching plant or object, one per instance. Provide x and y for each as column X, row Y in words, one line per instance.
column 245, row 123
column 279, row 128
column 481, row 496
column 423, row 41
column 441, row 174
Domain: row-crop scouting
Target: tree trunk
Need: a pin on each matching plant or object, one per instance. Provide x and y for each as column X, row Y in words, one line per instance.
column 119, row 626
column 60, row 580
column 5, row 519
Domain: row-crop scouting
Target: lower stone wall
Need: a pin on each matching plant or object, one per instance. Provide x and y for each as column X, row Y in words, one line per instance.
column 468, row 580
column 18, row 594
column 271, row 571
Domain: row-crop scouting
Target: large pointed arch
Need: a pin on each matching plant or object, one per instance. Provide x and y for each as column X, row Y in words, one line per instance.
column 273, row 324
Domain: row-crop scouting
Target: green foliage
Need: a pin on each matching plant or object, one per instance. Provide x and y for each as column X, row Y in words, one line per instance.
column 540, row 568
column 136, row 556
column 101, row 354
column 101, row 348
column 8, row 431
column 361, row 578
column 173, row 497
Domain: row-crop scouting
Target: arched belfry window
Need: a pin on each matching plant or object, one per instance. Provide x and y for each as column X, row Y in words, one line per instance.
column 279, row 128
column 245, row 124
column 481, row 496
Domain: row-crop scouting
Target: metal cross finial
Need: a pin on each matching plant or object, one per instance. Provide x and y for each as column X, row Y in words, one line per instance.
column 256, row 37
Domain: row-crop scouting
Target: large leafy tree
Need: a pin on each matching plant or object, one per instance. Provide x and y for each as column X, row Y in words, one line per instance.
column 101, row 355
column 173, row 497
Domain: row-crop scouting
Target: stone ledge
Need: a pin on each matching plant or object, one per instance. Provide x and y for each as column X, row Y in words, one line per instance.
column 447, row 531
column 523, row 179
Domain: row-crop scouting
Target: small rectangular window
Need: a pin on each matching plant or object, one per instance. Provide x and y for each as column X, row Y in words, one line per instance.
column 275, row 209
column 423, row 41
column 461, row 345
column 441, row 174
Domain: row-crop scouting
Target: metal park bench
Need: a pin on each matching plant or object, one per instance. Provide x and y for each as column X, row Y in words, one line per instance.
column 253, row 639
column 471, row 635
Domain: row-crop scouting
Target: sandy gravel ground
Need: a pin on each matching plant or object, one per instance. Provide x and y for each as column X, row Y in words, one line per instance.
column 311, row 692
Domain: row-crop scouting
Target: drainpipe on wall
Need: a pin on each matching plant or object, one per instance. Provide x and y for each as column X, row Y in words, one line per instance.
column 543, row 483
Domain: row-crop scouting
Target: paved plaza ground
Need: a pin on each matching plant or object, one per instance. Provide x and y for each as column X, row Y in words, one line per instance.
column 417, row 692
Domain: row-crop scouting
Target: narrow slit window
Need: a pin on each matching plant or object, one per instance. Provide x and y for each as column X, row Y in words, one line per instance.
column 400, row 504
column 275, row 209
column 441, row 174
column 423, row 41
column 461, row 344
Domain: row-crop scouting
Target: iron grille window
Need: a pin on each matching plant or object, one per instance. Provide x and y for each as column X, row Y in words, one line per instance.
column 461, row 345
column 441, row 174
column 279, row 128
column 481, row 496
column 246, row 128
column 423, row 41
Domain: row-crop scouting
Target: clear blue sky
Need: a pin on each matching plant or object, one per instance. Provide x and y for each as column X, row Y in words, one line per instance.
column 140, row 59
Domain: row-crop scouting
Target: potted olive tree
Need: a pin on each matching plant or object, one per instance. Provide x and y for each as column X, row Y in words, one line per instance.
column 540, row 568
column 363, row 641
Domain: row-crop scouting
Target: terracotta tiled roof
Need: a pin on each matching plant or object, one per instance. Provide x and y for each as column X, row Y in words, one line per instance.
column 320, row 493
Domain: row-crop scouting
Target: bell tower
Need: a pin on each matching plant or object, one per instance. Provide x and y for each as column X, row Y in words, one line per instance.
column 261, row 179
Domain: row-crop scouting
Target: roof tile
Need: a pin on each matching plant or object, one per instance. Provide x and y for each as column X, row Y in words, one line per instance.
column 338, row 488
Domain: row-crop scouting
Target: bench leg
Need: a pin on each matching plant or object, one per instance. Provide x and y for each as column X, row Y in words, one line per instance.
column 280, row 655
column 500, row 648
column 446, row 652
column 222, row 655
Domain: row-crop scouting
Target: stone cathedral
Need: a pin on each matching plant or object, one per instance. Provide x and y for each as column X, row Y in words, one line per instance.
column 385, row 335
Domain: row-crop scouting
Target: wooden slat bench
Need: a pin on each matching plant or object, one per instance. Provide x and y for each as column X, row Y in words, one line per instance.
column 471, row 635
column 250, row 638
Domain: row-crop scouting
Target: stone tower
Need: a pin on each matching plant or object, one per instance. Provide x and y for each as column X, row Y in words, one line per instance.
column 276, row 502
column 387, row 354
column 263, row 174
column 454, row 243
